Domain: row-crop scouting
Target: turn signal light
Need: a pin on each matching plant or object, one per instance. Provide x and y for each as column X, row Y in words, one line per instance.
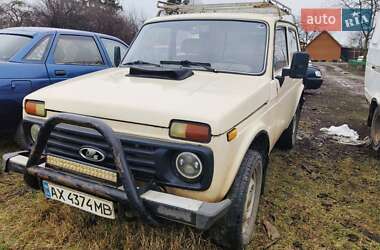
column 232, row 134
column 36, row 108
column 190, row 131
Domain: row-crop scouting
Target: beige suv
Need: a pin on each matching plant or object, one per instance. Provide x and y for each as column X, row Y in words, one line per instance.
column 182, row 130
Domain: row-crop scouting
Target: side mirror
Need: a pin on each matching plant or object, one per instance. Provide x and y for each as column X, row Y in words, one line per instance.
column 117, row 56
column 299, row 66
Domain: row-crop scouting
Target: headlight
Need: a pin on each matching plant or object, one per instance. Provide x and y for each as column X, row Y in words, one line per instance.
column 318, row 73
column 189, row 165
column 34, row 131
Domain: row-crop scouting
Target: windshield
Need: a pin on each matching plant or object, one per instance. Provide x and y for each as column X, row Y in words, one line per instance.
column 11, row 44
column 228, row 46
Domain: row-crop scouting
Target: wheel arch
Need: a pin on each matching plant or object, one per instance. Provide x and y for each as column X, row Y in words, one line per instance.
column 261, row 142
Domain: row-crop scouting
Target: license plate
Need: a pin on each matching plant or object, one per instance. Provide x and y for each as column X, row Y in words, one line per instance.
column 86, row 202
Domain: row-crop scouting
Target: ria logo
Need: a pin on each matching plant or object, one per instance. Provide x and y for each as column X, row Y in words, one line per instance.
column 92, row 154
column 336, row 19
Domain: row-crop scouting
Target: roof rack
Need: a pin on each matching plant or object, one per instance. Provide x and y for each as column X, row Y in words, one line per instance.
column 263, row 7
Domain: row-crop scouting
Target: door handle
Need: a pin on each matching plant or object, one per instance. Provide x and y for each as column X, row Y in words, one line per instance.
column 373, row 67
column 60, row 73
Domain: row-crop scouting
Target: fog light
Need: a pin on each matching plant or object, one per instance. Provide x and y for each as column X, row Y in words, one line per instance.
column 189, row 165
column 34, row 131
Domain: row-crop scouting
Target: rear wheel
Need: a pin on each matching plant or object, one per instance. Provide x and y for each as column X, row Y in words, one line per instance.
column 375, row 129
column 236, row 230
column 288, row 138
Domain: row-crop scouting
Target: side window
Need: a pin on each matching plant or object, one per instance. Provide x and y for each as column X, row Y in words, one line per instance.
column 110, row 47
column 281, row 59
column 38, row 52
column 293, row 42
column 77, row 50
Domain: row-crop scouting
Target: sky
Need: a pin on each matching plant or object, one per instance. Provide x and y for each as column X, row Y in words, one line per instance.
column 146, row 9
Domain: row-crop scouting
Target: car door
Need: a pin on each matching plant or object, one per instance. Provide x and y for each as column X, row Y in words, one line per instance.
column 74, row 55
column 280, row 61
column 297, row 84
column 109, row 45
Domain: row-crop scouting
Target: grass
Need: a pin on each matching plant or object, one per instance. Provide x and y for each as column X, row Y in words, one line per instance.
column 321, row 195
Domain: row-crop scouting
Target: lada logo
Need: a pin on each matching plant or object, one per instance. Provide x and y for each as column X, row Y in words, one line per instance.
column 92, row 154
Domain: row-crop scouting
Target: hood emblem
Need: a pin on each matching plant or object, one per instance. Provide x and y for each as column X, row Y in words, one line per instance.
column 92, row 154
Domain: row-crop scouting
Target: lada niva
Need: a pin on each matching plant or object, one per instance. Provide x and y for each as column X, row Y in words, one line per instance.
column 182, row 130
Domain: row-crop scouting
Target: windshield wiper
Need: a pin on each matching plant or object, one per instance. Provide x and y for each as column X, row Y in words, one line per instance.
column 187, row 63
column 139, row 62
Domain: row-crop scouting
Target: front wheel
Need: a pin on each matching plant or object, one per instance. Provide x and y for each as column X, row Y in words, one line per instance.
column 236, row 230
column 375, row 130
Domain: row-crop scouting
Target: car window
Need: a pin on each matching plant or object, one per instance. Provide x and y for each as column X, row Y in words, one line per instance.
column 229, row 46
column 293, row 42
column 38, row 52
column 110, row 47
column 78, row 50
column 11, row 44
column 281, row 59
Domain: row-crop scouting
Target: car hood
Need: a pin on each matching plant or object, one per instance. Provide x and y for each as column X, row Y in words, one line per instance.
column 220, row 100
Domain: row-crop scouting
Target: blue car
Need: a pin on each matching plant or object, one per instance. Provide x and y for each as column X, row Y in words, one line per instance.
column 32, row 58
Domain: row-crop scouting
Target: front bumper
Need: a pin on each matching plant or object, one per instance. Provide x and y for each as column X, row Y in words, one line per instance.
column 147, row 200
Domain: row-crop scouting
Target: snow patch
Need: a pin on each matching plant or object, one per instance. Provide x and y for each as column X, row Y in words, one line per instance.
column 344, row 135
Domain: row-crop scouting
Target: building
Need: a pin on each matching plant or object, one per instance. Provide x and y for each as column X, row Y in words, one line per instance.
column 324, row 48
column 349, row 53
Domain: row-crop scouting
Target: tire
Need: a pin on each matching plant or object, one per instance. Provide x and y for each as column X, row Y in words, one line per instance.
column 288, row 138
column 235, row 230
column 375, row 129
column 19, row 137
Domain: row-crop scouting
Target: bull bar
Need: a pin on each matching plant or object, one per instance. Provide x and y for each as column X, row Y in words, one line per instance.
column 147, row 201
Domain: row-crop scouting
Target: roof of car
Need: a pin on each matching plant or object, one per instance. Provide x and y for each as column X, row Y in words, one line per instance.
column 31, row 31
column 219, row 16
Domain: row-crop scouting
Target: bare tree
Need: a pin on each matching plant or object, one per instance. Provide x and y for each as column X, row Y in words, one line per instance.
column 14, row 13
column 374, row 6
column 103, row 16
column 90, row 15
column 356, row 40
column 305, row 36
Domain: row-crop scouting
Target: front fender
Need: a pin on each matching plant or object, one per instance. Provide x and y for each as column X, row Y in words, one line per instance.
column 246, row 136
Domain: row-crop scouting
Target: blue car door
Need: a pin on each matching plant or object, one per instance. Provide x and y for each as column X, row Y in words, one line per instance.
column 74, row 55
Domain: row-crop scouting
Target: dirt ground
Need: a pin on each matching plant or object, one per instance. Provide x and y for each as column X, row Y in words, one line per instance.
column 321, row 195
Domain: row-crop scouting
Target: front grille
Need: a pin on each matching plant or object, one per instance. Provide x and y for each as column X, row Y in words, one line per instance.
column 148, row 159
column 66, row 141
